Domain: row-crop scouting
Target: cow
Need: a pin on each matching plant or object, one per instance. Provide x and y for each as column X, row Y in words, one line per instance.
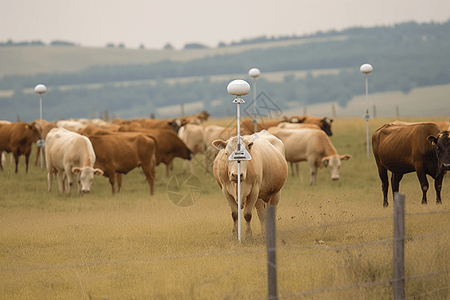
column 72, row 125
column 192, row 135
column 46, row 127
column 313, row 146
column 18, row 139
column 323, row 123
column 443, row 125
column 121, row 153
column 69, row 153
column 262, row 177
column 422, row 148
column 194, row 119
column 264, row 134
column 169, row 144
column 3, row 153
column 248, row 127
column 287, row 125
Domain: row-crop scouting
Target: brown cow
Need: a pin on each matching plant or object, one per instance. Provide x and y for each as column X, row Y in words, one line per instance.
column 46, row 127
column 121, row 153
column 262, row 177
column 248, row 127
column 323, row 123
column 169, row 144
column 443, row 125
column 18, row 139
column 420, row 148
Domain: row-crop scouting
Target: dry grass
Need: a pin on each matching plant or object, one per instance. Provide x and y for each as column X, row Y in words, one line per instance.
column 133, row 246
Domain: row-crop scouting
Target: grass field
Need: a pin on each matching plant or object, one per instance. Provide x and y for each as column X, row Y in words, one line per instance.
column 334, row 240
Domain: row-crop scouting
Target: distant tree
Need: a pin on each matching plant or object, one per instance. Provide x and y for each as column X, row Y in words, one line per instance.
column 122, row 46
column 142, row 46
column 195, row 46
column 221, row 45
column 110, row 45
column 168, row 46
column 61, row 43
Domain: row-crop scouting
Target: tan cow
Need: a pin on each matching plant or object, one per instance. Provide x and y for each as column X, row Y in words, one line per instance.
column 46, row 129
column 313, row 146
column 323, row 123
column 18, row 139
column 68, row 153
column 264, row 134
column 287, row 125
column 192, row 135
column 121, row 153
column 262, row 178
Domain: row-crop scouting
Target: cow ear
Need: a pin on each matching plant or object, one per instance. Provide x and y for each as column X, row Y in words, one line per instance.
column 98, row 172
column 250, row 145
column 432, row 139
column 285, row 118
column 219, row 144
column 76, row 170
column 345, row 157
column 325, row 161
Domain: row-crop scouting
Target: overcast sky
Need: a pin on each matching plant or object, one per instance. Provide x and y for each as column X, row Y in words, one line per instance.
column 94, row 23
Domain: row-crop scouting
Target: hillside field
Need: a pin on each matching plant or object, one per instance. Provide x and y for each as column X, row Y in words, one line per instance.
column 334, row 240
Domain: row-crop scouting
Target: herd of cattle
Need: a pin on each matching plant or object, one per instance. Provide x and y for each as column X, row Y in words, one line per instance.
column 76, row 150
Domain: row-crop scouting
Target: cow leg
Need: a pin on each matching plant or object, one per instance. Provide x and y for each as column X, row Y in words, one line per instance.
column 112, row 180
column 60, row 177
column 234, row 209
column 261, row 211
column 27, row 159
column 395, row 182
column 69, row 177
column 382, row 172
column 293, row 169
column 424, row 184
column 150, row 175
column 167, row 170
column 119, row 182
column 16, row 159
column 38, row 150
column 191, row 163
column 252, row 199
column 49, row 179
column 312, row 172
column 2, row 160
column 438, row 187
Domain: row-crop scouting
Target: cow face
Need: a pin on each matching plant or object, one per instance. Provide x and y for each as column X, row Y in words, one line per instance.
column 441, row 145
column 230, row 146
column 35, row 131
column 334, row 163
column 86, row 177
column 326, row 126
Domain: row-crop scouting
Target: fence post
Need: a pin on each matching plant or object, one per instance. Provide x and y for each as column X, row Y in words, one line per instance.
column 399, row 240
column 271, row 253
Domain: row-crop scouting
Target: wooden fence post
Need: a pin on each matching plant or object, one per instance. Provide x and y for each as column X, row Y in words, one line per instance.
column 271, row 253
column 399, row 240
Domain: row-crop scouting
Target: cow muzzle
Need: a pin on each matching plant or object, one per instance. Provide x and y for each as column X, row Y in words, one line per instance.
column 335, row 178
column 234, row 177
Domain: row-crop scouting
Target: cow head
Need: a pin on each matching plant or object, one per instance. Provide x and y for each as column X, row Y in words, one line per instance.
column 86, row 177
column 34, row 130
column 229, row 146
column 326, row 126
column 441, row 145
column 334, row 163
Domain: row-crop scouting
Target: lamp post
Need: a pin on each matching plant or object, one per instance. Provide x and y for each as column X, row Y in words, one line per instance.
column 239, row 88
column 40, row 89
column 366, row 69
column 254, row 73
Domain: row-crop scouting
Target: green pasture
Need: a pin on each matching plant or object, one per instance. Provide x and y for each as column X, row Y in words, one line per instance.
column 334, row 240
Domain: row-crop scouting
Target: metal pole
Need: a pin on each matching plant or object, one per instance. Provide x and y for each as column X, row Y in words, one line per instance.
column 367, row 112
column 239, row 169
column 271, row 253
column 399, row 246
column 42, row 149
column 254, row 106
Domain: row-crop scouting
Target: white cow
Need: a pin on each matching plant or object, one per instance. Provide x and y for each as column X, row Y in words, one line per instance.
column 68, row 153
column 71, row 125
column 261, row 178
column 313, row 146
column 264, row 134
column 192, row 135
column 3, row 153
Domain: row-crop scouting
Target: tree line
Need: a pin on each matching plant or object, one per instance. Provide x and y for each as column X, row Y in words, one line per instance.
column 404, row 56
